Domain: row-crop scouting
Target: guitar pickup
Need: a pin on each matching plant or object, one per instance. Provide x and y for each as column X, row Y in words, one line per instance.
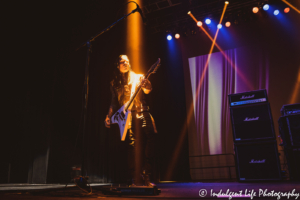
column 122, row 115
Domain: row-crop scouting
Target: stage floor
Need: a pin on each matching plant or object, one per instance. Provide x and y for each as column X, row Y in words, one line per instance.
column 174, row 190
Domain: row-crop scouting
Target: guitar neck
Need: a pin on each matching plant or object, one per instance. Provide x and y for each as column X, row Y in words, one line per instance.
column 135, row 94
column 151, row 71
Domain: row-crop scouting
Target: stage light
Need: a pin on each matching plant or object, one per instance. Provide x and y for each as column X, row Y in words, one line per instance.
column 207, row 21
column 219, row 26
column 169, row 37
column 266, row 7
column 287, row 9
column 290, row 5
column 177, row 35
column 255, row 10
column 276, row 12
column 226, row 2
column 199, row 23
column 227, row 24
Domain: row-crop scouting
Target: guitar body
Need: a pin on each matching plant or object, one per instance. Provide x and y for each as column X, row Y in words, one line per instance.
column 122, row 118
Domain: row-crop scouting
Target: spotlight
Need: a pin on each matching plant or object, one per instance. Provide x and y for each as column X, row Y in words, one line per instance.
column 227, row 24
column 266, row 7
column 207, row 21
column 177, row 36
column 287, row 9
column 169, row 37
column 199, row 23
column 219, row 26
column 255, row 10
column 226, row 2
column 276, row 12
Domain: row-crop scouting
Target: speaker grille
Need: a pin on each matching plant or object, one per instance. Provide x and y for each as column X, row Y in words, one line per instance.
column 252, row 122
column 257, row 161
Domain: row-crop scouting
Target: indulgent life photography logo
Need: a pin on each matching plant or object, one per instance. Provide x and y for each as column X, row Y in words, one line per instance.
column 249, row 193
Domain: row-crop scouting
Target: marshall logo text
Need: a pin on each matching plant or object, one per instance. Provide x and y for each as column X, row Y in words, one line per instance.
column 248, row 97
column 258, row 161
column 251, row 119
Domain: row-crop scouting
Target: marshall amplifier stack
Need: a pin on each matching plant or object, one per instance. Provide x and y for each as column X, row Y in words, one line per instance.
column 289, row 128
column 254, row 138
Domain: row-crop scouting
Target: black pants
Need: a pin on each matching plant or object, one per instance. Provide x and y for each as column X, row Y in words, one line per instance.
column 141, row 152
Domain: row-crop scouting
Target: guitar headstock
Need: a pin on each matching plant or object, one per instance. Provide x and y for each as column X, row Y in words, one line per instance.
column 154, row 67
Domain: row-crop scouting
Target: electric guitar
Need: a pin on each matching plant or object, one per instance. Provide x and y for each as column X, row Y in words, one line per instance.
column 123, row 115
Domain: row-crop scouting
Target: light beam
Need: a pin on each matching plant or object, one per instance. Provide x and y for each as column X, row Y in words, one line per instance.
column 287, row 3
column 190, row 112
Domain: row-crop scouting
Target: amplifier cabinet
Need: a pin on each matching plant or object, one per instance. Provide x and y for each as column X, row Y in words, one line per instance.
column 290, row 109
column 289, row 128
column 252, row 122
column 257, row 161
column 251, row 97
column 292, row 157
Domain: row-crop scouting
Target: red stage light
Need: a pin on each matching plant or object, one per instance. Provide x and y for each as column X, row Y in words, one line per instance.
column 287, row 9
column 199, row 23
column 227, row 24
column 177, row 36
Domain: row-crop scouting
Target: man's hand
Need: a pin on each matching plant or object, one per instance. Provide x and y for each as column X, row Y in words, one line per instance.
column 146, row 86
column 107, row 122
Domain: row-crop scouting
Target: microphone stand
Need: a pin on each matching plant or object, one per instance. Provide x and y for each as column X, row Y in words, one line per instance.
column 86, row 80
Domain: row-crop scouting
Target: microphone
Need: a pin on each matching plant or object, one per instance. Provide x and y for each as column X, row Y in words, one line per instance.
column 138, row 9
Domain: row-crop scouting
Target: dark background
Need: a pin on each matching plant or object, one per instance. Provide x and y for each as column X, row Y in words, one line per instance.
column 44, row 82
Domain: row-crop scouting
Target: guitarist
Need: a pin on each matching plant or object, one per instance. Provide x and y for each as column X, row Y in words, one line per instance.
column 141, row 131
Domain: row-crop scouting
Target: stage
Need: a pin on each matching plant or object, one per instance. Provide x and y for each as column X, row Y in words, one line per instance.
column 225, row 101
column 173, row 190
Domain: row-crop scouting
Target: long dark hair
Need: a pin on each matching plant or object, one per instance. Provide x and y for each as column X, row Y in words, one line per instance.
column 117, row 79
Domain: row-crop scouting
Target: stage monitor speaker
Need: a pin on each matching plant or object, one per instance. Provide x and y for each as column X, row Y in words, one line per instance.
column 289, row 128
column 252, row 122
column 257, row 161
